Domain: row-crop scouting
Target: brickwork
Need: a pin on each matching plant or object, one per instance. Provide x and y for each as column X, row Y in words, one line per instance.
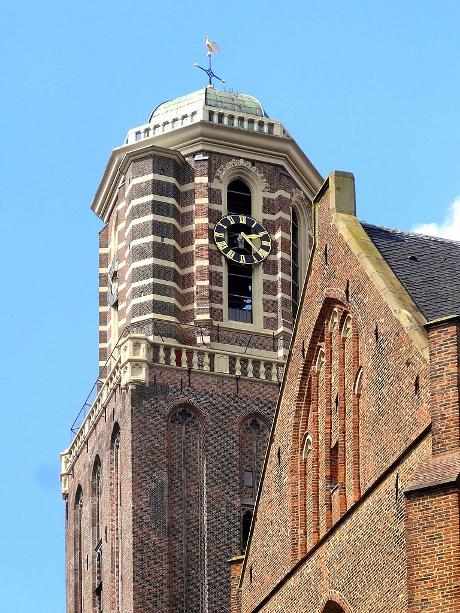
column 361, row 412
column 445, row 383
column 181, row 457
column 360, row 563
column 168, row 265
column 99, row 445
column 176, row 489
column 211, row 487
column 433, row 550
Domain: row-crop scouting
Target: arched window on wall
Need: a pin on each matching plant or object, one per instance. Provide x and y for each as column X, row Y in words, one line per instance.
column 253, row 444
column 187, row 479
column 96, row 499
column 78, row 551
column 240, row 281
column 115, row 517
column 332, row 607
column 295, row 272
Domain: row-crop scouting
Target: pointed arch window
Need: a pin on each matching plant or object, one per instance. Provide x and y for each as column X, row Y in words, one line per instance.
column 253, row 442
column 78, row 551
column 96, row 495
column 115, row 519
column 240, row 281
column 187, row 491
column 332, row 607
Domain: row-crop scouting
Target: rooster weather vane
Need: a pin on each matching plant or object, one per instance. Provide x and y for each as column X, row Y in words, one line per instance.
column 212, row 47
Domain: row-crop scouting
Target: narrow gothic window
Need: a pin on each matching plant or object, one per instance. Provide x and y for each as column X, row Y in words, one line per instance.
column 239, row 275
column 253, row 441
column 96, row 491
column 186, row 493
column 307, row 447
column 78, row 551
column 246, row 520
column 295, row 276
column 335, row 465
column 332, row 607
column 115, row 519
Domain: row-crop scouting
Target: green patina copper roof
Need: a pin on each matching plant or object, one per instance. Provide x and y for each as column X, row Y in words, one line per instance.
column 209, row 96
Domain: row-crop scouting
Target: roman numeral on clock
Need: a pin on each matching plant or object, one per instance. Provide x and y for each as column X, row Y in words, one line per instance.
column 242, row 239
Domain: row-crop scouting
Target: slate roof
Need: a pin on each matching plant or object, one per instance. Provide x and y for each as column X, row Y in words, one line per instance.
column 427, row 266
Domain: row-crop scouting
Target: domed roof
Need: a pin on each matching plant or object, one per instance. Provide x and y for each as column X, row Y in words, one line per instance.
column 211, row 97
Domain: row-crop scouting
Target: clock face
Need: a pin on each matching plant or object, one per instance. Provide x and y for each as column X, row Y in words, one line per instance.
column 242, row 239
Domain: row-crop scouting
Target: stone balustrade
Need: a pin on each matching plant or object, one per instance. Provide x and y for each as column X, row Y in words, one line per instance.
column 216, row 361
column 131, row 367
column 233, row 119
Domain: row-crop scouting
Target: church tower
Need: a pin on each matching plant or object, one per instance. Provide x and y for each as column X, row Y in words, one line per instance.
column 206, row 241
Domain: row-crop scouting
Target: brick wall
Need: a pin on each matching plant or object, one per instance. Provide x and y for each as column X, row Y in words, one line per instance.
column 184, row 485
column 347, row 539
column 159, row 277
column 168, row 533
column 433, row 550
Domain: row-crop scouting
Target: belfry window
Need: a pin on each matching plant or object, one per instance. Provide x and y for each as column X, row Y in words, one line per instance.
column 295, row 276
column 239, row 275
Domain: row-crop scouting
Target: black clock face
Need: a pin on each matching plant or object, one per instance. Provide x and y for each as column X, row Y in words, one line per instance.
column 242, row 239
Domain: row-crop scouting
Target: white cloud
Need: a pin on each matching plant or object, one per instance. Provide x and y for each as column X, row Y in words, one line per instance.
column 449, row 228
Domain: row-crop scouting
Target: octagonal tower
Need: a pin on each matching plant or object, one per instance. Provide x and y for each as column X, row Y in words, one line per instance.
column 161, row 477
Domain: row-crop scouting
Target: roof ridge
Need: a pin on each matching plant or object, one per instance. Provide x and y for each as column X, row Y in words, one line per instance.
column 411, row 234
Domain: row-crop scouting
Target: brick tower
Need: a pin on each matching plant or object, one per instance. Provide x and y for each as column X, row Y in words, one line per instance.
column 207, row 235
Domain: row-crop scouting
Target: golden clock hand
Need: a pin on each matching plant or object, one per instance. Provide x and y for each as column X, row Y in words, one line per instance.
column 255, row 235
column 248, row 240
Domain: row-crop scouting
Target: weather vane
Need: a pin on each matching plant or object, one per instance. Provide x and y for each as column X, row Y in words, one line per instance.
column 212, row 47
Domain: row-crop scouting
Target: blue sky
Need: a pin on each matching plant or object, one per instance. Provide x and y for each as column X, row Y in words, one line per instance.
column 367, row 87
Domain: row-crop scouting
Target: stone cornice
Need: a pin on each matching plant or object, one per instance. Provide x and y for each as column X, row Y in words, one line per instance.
column 116, row 166
column 211, row 137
